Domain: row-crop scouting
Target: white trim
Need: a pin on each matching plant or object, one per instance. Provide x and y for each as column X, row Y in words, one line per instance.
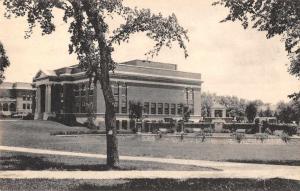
column 46, row 82
column 159, row 76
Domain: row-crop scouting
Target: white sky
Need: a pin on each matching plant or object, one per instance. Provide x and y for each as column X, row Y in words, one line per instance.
column 232, row 61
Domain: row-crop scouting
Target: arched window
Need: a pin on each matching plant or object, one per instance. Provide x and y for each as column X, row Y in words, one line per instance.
column 12, row 107
column 5, row 107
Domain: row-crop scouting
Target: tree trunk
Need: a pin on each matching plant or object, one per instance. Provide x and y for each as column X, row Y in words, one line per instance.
column 105, row 61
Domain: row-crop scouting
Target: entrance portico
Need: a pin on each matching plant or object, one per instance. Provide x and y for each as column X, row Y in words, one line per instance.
column 43, row 102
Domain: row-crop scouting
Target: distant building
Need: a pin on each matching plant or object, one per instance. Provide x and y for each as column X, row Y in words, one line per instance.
column 161, row 89
column 16, row 98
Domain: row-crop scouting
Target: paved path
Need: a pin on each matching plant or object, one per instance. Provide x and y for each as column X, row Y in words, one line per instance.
column 228, row 169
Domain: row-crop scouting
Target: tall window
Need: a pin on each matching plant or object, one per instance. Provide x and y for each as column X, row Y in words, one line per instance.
column 173, row 109
column 167, row 108
column 124, row 106
column 153, row 108
column 160, row 108
column 179, row 109
column 5, row 107
column 116, row 105
column 146, row 108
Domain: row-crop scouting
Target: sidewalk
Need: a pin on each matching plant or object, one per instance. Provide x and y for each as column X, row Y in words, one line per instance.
column 228, row 169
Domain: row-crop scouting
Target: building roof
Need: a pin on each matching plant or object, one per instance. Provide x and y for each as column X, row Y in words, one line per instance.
column 16, row 85
column 131, row 70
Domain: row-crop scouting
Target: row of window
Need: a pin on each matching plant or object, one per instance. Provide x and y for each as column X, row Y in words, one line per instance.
column 8, row 107
column 120, row 97
column 27, row 106
column 27, row 97
column 164, row 108
column 83, row 90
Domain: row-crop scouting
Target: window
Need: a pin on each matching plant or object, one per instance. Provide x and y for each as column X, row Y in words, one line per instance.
column 12, row 107
column 117, row 124
column 24, row 97
column 153, row 108
column 5, row 107
column 115, row 90
column 167, row 109
column 179, row 109
column 173, row 109
column 116, row 106
column 124, row 106
column 124, row 124
column 83, row 106
column 123, row 90
column 28, row 106
column 24, row 106
column 160, row 108
column 146, row 108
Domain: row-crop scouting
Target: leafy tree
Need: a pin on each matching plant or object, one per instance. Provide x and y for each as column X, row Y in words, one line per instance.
column 93, row 44
column 276, row 17
column 135, row 111
column 288, row 112
column 4, row 62
column 268, row 112
column 251, row 110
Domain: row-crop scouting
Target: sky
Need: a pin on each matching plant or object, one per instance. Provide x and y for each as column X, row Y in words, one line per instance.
column 232, row 61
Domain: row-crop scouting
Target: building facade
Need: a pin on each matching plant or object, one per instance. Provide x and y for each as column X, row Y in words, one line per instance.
column 16, row 99
column 159, row 87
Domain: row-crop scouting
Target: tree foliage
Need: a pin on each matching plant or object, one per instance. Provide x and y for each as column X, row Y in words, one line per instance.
column 288, row 112
column 4, row 62
column 275, row 17
column 92, row 42
column 135, row 110
column 251, row 110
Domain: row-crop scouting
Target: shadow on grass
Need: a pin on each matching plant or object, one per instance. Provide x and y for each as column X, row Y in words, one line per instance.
column 197, row 184
column 272, row 162
column 22, row 162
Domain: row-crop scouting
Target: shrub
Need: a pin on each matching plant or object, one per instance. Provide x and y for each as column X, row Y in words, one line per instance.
column 285, row 137
column 249, row 127
column 29, row 116
column 66, row 119
column 239, row 137
column 261, row 136
column 288, row 129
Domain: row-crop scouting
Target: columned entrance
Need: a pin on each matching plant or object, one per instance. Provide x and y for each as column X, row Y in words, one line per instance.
column 43, row 102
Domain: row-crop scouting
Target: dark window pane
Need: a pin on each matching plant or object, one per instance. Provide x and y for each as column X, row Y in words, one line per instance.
column 153, row 108
column 159, row 108
column 167, row 109
column 146, row 107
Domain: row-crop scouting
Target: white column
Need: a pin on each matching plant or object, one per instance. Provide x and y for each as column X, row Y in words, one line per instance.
column 224, row 113
column 38, row 100
column 48, row 99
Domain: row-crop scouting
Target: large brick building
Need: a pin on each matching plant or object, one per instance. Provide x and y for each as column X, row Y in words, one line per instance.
column 160, row 87
column 16, row 98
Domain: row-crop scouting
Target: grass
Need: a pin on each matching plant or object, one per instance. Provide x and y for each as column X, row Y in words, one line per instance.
column 151, row 185
column 16, row 161
column 36, row 134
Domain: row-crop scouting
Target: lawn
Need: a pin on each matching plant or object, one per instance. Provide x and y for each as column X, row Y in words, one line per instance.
column 36, row 134
column 24, row 161
column 151, row 185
